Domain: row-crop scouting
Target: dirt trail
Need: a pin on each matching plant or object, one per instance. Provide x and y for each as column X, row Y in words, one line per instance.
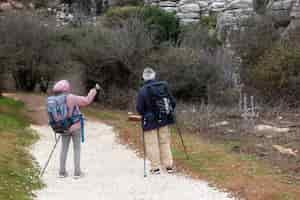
column 113, row 171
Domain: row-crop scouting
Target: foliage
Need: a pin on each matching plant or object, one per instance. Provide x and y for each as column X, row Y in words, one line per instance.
column 27, row 50
column 277, row 73
column 115, row 57
column 165, row 25
column 118, row 14
column 210, row 22
column 200, row 37
column 187, row 72
column 128, row 2
column 269, row 65
column 252, row 42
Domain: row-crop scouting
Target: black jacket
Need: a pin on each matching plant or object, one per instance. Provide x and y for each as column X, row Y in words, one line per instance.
column 146, row 110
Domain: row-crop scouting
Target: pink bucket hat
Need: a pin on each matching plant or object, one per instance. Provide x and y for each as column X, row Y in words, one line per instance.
column 62, row 86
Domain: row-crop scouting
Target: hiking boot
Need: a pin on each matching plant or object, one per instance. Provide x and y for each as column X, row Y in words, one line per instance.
column 155, row 171
column 79, row 175
column 63, row 175
column 170, row 170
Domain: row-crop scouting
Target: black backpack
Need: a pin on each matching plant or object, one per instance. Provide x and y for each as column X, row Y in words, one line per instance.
column 160, row 100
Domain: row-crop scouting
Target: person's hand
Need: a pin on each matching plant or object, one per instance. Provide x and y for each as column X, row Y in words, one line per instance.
column 97, row 87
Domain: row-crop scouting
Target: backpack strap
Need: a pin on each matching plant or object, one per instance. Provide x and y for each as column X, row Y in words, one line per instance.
column 78, row 117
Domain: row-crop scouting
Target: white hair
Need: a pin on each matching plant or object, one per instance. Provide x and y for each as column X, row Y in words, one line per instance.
column 149, row 74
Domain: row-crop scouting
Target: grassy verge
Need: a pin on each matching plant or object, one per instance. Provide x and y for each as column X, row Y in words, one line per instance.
column 243, row 175
column 18, row 174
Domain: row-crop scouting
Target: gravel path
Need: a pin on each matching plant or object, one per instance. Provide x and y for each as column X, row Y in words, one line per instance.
column 112, row 172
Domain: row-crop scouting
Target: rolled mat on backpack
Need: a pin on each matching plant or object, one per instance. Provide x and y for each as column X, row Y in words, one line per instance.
column 82, row 128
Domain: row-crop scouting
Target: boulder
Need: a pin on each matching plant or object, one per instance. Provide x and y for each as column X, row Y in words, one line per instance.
column 280, row 17
column 182, row 2
column 285, row 151
column 191, row 15
column 203, row 4
column 229, row 21
column 295, row 12
column 282, row 5
column 170, row 9
column 239, row 4
column 167, row 4
column 220, row 4
column 192, row 7
column 280, row 12
column 189, row 21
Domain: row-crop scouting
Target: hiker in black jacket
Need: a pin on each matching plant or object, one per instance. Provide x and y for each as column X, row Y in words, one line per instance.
column 156, row 106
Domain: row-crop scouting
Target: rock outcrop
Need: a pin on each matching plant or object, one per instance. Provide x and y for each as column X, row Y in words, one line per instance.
column 230, row 11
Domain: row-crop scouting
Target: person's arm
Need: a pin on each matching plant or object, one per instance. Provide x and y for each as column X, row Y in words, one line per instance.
column 84, row 100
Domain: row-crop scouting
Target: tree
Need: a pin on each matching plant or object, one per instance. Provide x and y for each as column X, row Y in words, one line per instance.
column 27, row 49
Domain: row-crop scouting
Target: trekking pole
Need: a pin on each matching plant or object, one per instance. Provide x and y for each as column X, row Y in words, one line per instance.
column 182, row 142
column 49, row 158
column 145, row 172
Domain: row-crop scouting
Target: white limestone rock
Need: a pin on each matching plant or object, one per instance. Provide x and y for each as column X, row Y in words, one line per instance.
column 240, row 4
column 170, row 9
column 167, row 4
column 189, row 21
column 191, row 7
column 191, row 15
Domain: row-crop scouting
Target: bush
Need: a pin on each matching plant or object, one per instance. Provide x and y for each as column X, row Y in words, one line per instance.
column 201, row 37
column 127, row 2
column 165, row 25
column 251, row 43
column 277, row 74
column 210, row 22
column 114, row 57
column 187, row 72
column 270, row 65
column 27, row 50
column 122, row 13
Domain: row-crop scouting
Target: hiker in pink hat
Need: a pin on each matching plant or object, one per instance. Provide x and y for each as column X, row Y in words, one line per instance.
column 73, row 103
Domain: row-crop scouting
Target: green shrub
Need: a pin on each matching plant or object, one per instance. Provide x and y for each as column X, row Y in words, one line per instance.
column 118, row 14
column 163, row 24
column 128, row 2
column 277, row 74
column 210, row 22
